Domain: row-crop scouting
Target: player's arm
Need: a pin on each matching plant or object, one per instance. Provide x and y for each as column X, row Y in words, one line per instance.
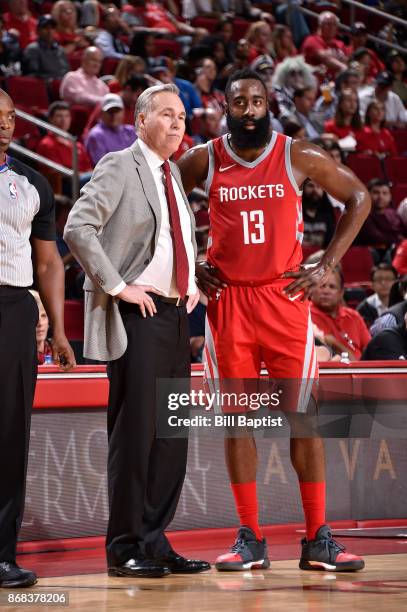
column 194, row 165
column 311, row 161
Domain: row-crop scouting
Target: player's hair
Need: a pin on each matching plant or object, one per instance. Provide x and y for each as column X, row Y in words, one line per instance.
column 241, row 75
column 385, row 267
column 145, row 99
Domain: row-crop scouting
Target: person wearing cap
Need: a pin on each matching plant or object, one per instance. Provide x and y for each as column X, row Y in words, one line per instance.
column 45, row 58
column 110, row 133
column 396, row 65
column 358, row 33
column 395, row 112
column 133, row 232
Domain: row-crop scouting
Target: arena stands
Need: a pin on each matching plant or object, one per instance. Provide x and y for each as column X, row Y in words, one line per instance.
column 177, row 42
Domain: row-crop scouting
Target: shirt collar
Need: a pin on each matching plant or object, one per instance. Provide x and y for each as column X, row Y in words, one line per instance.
column 154, row 161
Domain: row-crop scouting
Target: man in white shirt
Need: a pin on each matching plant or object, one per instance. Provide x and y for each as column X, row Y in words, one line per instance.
column 133, row 232
column 83, row 86
column 395, row 111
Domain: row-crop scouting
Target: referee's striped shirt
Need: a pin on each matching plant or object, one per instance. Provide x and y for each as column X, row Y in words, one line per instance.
column 27, row 208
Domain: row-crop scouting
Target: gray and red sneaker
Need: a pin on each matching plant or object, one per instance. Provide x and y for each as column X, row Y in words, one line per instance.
column 246, row 553
column 325, row 554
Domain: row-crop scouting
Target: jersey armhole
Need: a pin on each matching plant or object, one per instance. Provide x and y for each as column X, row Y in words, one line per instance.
column 288, row 166
column 211, row 167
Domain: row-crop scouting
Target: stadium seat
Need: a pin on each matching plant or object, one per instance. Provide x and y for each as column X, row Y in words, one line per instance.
column 396, row 169
column 240, row 27
column 366, row 167
column 400, row 136
column 80, row 114
column 171, row 48
column 399, row 192
column 74, row 319
column 109, row 65
column 28, row 93
column 209, row 23
column 356, row 266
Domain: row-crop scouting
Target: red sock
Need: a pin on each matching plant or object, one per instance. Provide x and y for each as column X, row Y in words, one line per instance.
column 245, row 495
column 313, row 502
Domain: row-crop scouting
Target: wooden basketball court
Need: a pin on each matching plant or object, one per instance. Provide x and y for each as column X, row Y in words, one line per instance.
column 382, row 585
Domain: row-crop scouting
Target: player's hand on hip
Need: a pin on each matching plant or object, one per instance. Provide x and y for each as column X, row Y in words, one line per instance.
column 192, row 301
column 137, row 294
column 207, row 279
column 306, row 278
column 62, row 353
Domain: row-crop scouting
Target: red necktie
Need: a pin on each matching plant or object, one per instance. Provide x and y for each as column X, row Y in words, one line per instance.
column 181, row 258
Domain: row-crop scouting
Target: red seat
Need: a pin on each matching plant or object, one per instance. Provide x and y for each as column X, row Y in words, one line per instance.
column 171, row 48
column 209, row 23
column 400, row 136
column 240, row 27
column 396, row 169
column 356, row 266
column 366, row 167
column 28, row 92
column 80, row 114
column 109, row 65
column 308, row 250
column 399, row 192
column 74, row 319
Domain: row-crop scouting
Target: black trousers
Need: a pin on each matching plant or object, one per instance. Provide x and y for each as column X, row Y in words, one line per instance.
column 18, row 373
column 145, row 473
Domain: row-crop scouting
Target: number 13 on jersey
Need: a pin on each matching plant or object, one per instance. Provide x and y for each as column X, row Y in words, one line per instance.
column 253, row 220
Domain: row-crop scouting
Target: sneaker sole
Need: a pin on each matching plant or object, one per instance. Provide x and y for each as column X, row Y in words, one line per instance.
column 16, row 584
column 320, row 566
column 119, row 574
column 239, row 567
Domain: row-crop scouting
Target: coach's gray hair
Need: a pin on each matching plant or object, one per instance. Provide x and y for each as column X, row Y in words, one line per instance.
column 145, row 99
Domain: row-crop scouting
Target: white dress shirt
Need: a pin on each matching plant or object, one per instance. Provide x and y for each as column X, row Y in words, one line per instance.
column 160, row 273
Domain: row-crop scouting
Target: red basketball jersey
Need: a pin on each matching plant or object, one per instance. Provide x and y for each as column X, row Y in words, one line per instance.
column 255, row 210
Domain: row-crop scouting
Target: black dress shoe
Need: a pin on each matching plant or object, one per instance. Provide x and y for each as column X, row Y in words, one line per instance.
column 180, row 565
column 139, row 568
column 13, row 576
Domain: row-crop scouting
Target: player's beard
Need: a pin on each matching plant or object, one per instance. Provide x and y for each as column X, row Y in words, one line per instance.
column 249, row 139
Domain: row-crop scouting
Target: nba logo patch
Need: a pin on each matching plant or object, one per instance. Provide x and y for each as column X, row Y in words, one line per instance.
column 13, row 190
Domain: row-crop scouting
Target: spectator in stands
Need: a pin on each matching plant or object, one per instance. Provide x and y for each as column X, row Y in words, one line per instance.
column 283, row 43
column 347, row 119
column 400, row 258
column 328, row 100
column 304, row 100
column 395, row 113
column 10, row 51
column 362, row 58
column 241, row 60
column 44, row 350
column 142, row 45
column 188, row 92
column 110, row 134
column 200, row 8
column 295, row 130
column 382, row 277
column 264, row 66
column 324, row 48
column 344, row 329
column 206, row 77
column 209, row 125
column 397, row 308
column 383, row 227
column 216, row 51
column 108, row 40
column 359, row 39
column 59, row 149
column 259, row 38
column 374, row 138
column 224, row 31
column 291, row 74
column 45, row 58
column 388, row 344
column 318, row 215
column 20, row 19
column 128, row 66
column 396, row 65
column 129, row 94
column 83, row 86
column 66, row 32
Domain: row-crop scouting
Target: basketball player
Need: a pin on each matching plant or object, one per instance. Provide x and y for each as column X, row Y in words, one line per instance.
column 253, row 179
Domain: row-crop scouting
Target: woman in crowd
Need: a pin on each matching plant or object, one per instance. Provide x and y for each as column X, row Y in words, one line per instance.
column 396, row 65
column 374, row 138
column 66, row 33
column 347, row 119
column 283, row 43
column 128, row 66
column 259, row 38
column 44, row 351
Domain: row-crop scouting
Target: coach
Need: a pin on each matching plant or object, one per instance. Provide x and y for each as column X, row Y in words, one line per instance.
column 133, row 232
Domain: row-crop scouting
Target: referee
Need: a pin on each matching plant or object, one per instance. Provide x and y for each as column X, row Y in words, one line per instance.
column 27, row 224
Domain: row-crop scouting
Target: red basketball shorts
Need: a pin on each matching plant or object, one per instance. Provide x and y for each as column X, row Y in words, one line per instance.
column 250, row 325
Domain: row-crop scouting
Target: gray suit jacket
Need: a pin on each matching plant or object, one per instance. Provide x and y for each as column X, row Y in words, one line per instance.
column 113, row 231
